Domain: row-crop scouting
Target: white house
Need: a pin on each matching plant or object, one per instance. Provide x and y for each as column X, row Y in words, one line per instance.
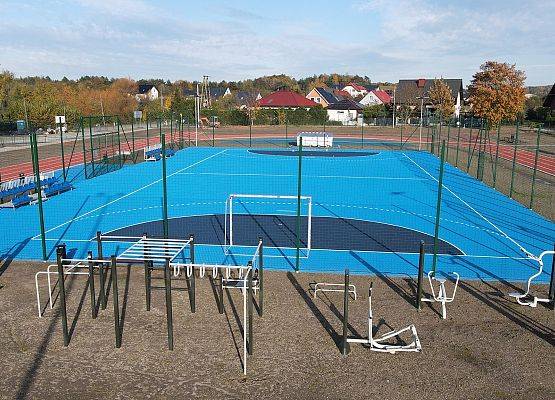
column 346, row 111
column 355, row 90
column 375, row 97
column 147, row 92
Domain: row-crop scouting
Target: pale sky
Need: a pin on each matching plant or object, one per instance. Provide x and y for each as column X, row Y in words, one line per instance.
column 386, row 40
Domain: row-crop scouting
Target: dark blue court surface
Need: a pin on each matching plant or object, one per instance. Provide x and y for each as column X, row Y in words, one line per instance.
column 279, row 231
column 315, row 153
column 370, row 211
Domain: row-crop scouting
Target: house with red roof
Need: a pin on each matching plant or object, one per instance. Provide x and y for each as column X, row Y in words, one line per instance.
column 375, row 97
column 355, row 90
column 286, row 99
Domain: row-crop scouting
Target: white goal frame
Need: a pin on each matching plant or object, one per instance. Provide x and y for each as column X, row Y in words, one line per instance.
column 229, row 211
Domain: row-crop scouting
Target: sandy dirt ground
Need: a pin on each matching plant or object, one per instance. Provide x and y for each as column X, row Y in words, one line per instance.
column 488, row 347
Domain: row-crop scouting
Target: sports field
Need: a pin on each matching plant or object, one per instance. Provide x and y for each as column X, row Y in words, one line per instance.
column 369, row 211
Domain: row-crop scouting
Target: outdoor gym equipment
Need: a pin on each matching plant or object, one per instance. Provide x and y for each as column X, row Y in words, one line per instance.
column 382, row 343
column 441, row 296
column 526, row 299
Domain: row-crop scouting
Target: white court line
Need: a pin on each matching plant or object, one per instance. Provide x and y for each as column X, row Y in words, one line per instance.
column 308, row 176
column 473, row 209
column 131, row 193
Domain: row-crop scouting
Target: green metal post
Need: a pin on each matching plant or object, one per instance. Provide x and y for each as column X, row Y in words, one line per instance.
column 421, row 259
column 514, row 161
column 64, row 172
column 534, row 173
column 346, row 349
column 213, row 128
column 38, row 189
column 468, row 156
column 132, row 138
column 164, row 187
column 496, row 154
column 458, row 143
column 147, row 141
column 362, row 134
column 250, row 135
column 83, row 144
column 438, row 206
column 261, row 277
column 92, row 145
column 115, row 300
column 120, row 158
column 299, row 188
column 286, row 125
column 448, row 141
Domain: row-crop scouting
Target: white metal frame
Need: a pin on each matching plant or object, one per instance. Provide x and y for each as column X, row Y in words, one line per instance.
column 377, row 344
column 147, row 149
column 69, row 269
column 315, row 139
column 225, row 270
column 152, row 249
column 229, row 211
column 442, row 293
column 521, row 298
column 334, row 287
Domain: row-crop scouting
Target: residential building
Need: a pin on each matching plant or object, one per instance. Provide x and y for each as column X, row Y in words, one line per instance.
column 414, row 91
column 286, row 99
column 549, row 101
column 346, row 111
column 355, row 90
column 247, row 99
column 375, row 97
column 322, row 96
column 147, row 92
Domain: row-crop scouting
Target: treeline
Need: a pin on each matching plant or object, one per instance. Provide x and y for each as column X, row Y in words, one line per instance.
column 39, row 99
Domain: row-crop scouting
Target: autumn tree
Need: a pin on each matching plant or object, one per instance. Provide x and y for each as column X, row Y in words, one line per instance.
column 441, row 98
column 497, row 92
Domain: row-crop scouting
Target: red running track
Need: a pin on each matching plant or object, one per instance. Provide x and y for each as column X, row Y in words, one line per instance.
column 546, row 164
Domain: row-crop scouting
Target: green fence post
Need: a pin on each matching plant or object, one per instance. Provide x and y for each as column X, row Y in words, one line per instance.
column 458, row 143
column 62, row 150
column 147, row 139
column 468, row 156
column 534, row 173
column 132, row 137
column 164, row 186
column 38, row 189
column 438, row 206
column 286, row 126
column 83, row 141
column 448, row 141
column 92, row 146
column 496, row 154
column 299, row 187
column 514, row 161
column 362, row 134
column 250, row 135
column 120, row 158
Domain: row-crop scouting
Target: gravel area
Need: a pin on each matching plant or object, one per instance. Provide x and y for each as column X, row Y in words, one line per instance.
column 488, row 347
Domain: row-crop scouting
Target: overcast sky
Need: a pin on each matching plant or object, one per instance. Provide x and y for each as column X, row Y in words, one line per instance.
column 385, row 40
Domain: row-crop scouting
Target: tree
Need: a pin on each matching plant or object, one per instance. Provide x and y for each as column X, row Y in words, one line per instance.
column 441, row 98
column 497, row 92
column 375, row 111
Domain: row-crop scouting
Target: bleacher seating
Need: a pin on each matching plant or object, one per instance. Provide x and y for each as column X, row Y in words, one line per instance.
column 19, row 192
column 154, row 152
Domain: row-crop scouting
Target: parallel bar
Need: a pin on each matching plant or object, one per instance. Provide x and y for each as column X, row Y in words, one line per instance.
column 192, row 285
column 60, row 254
column 346, row 348
column 91, row 285
column 420, row 275
column 115, row 296
column 169, row 312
